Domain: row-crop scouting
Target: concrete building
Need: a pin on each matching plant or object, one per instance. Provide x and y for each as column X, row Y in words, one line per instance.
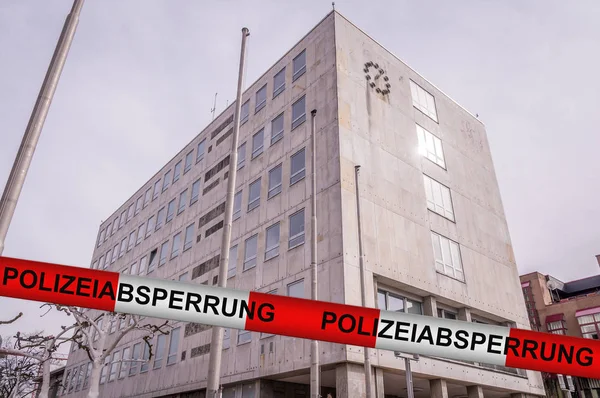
column 435, row 234
column 570, row 308
column 56, row 378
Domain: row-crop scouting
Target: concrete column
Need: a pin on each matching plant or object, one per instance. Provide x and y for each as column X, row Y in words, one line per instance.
column 464, row 314
column 475, row 392
column 594, row 394
column 430, row 306
column 379, row 391
column 350, row 381
column 438, row 388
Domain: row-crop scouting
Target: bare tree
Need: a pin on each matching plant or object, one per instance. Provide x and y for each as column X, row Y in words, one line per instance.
column 18, row 372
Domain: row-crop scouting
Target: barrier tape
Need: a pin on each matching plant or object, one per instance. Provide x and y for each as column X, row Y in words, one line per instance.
column 294, row 317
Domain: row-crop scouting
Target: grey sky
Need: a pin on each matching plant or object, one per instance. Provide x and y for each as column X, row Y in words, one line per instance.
column 141, row 76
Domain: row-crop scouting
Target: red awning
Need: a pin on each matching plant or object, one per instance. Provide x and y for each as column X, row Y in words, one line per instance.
column 555, row 317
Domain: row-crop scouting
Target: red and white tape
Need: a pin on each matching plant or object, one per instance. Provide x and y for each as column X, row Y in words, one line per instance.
column 309, row 319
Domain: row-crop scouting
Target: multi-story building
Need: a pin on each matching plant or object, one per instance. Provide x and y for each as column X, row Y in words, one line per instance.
column 569, row 308
column 435, row 234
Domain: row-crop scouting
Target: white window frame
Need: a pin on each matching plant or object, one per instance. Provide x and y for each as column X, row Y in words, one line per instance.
column 439, row 198
column 277, row 135
column 194, row 198
column 200, row 150
column 187, row 244
column 423, row 101
column 175, row 247
column 289, row 285
column 273, row 250
column 298, row 120
column 443, row 263
column 276, row 189
column 233, row 260
column 259, row 105
column 250, row 261
column 172, row 356
column 278, row 89
column 300, row 174
column 302, row 234
column 237, row 205
column 296, row 73
column 254, row 203
column 188, row 162
column 258, row 150
column 245, row 112
column 431, row 147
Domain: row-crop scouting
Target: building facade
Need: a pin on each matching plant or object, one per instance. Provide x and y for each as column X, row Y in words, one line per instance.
column 435, row 234
column 569, row 308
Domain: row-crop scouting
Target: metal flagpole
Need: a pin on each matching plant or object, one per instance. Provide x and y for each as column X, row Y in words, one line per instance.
column 16, row 178
column 315, row 377
column 216, row 347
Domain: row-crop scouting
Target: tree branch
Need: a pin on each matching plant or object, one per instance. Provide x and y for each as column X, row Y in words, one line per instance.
column 12, row 320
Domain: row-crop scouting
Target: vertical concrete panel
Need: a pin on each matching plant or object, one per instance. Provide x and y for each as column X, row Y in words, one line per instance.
column 438, row 388
column 475, row 392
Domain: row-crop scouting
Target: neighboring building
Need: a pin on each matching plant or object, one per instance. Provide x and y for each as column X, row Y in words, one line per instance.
column 435, row 233
column 571, row 308
column 56, row 378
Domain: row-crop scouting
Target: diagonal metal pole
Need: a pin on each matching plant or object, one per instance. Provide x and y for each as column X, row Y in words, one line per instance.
column 16, row 178
column 216, row 346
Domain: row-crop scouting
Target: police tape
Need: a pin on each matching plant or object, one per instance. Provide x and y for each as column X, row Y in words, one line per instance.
column 294, row 317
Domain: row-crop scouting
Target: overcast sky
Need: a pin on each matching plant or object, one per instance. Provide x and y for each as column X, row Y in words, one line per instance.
column 141, row 76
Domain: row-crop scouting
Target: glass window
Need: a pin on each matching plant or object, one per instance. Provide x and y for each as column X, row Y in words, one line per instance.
column 131, row 240
column 277, row 129
column 279, row 82
column 189, row 237
column 245, row 112
column 88, row 373
column 130, row 211
column 95, row 264
column 177, row 171
column 258, row 143
column 116, row 254
column 183, row 277
column 104, row 371
column 160, row 351
column 114, row 366
column 125, row 364
column 123, row 247
column 274, row 181
column 423, row 101
column 189, row 158
column 123, row 219
column 237, row 205
column 272, row 244
column 173, row 346
column 160, row 218
column 182, row 201
column 170, row 210
column 80, row 376
column 166, row 180
column 164, row 249
column 145, row 358
column 141, row 233
column 233, row 257
column 65, row 388
column 296, row 229
column 241, row 155
column 590, row 325
column 430, row 146
column 261, row 98
column 395, row 302
column 557, row 327
column 147, row 197
column 244, row 336
column 143, row 264
column 135, row 354
column 442, row 313
column 195, row 192
column 134, row 269
column 101, row 238
column 138, row 204
column 298, row 166
column 113, row 324
column 107, row 259
column 299, row 112
column 156, row 190
column 250, row 252
column 150, row 226
column 254, row 195
column 296, row 289
column 226, row 343
column 115, row 226
column 200, row 152
column 153, row 260
column 299, row 65
column 176, row 245
column 447, row 256
column 438, row 198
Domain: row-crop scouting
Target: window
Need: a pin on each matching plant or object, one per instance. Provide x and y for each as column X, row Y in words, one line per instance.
column 258, row 140
column 140, row 234
column 113, row 324
column 176, row 245
column 241, row 156
column 80, row 375
column 272, row 245
column 107, row 259
column 160, row 218
column 277, row 129
column 200, row 152
column 114, row 366
column 95, row 264
column 66, row 382
column 557, row 327
column 101, row 262
column 135, row 355
column 173, row 346
column 99, row 323
column 244, row 336
column 160, row 351
column 195, row 192
column 189, row 237
column 156, row 190
column 122, row 219
column 299, row 65
column 298, row 166
column 296, row 229
column 430, row 146
column 447, row 256
column 72, row 381
column 104, row 371
column 254, row 195
column 170, row 210
column 123, row 248
column 245, row 112
column 115, row 226
column 279, row 82
column 130, row 212
column 395, row 302
column 153, row 261
column 261, row 98
column 274, row 181
column 101, row 238
column 589, row 322
column 442, row 313
column 166, row 180
column 115, row 253
column 147, row 197
column 164, row 249
column 143, row 264
column 299, row 112
column 250, row 252
column 150, row 226
column 134, row 269
column 423, row 101
column 233, row 257
column 189, row 158
column 125, row 364
column 88, row 373
column 182, row 201
column 177, row 171
column 138, row 205
column 237, row 205
column 131, row 240
column 296, row 289
column 145, row 358
column 438, row 198
column 183, row 277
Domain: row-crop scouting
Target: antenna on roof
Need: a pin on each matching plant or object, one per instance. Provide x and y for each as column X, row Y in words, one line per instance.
column 214, row 108
column 333, row 5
